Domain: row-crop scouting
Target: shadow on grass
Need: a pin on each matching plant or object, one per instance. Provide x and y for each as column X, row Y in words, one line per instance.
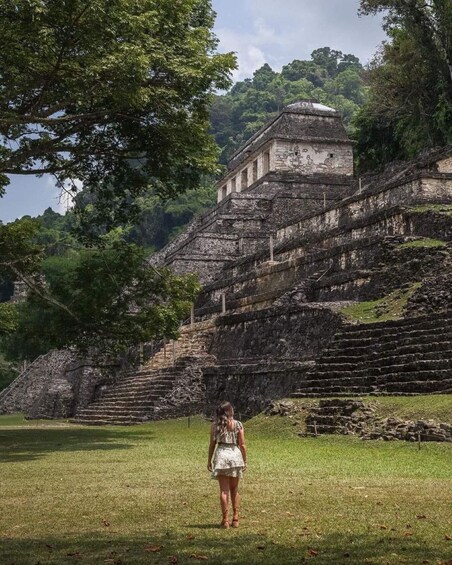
column 20, row 445
column 223, row 547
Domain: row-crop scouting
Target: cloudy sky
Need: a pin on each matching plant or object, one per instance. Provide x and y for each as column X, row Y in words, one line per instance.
column 259, row 31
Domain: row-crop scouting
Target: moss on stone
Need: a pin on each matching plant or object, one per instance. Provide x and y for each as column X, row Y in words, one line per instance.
column 389, row 307
column 423, row 242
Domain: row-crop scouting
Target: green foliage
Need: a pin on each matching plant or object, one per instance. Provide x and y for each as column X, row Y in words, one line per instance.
column 423, row 242
column 9, row 318
column 8, row 372
column 410, row 103
column 19, row 254
column 155, row 220
column 106, row 298
column 113, row 93
column 330, row 77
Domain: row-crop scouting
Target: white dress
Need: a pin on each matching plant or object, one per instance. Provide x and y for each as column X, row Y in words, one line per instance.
column 228, row 459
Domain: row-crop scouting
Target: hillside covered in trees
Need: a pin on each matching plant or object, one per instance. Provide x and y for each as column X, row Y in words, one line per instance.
column 329, row 76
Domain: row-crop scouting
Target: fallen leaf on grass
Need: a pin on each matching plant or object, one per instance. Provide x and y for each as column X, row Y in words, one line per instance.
column 382, row 526
column 153, row 548
column 312, row 552
column 448, row 538
column 173, row 559
column 421, row 517
column 261, row 547
column 49, row 546
column 76, row 554
column 199, row 557
column 190, row 537
column 407, row 534
column 106, row 523
column 448, row 562
column 290, row 514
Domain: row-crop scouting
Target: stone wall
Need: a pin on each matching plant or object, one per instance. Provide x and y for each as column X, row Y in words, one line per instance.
column 309, row 158
column 250, row 387
column 275, row 333
column 417, row 191
column 56, row 385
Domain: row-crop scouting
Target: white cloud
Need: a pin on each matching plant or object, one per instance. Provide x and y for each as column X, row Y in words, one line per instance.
column 249, row 55
column 64, row 197
column 277, row 32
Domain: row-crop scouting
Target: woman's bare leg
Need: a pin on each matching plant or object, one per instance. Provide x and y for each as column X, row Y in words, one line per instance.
column 224, row 497
column 235, row 497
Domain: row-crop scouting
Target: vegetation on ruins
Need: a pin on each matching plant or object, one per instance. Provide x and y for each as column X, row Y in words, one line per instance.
column 332, row 499
column 330, row 76
column 410, row 96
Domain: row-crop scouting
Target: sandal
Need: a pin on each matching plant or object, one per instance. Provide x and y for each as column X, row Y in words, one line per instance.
column 235, row 522
column 224, row 524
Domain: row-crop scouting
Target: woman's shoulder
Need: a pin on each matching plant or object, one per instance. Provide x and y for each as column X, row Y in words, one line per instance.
column 238, row 425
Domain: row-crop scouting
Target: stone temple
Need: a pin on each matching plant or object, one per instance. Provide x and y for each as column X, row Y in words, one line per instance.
column 294, row 248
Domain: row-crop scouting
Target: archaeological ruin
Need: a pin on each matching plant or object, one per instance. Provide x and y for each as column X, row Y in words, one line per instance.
column 316, row 284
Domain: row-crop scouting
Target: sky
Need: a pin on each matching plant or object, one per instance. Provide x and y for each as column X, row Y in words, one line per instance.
column 259, row 31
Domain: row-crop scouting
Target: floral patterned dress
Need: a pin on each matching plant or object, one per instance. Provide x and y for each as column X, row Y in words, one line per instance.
column 228, row 458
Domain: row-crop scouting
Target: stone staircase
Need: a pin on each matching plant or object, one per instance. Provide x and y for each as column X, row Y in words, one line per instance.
column 403, row 357
column 194, row 340
column 162, row 388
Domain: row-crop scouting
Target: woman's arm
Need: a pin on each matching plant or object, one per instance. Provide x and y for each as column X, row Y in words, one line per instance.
column 211, row 448
column 242, row 445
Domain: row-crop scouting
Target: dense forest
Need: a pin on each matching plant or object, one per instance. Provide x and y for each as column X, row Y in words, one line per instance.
column 330, row 77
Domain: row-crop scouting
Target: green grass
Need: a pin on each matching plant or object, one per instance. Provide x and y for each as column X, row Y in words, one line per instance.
column 389, row 307
column 436, row 407
column 440, row 208
column 424, row 242
column 105, row 495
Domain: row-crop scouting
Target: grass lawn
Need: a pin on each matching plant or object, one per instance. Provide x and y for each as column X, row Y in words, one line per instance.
column 142, row 494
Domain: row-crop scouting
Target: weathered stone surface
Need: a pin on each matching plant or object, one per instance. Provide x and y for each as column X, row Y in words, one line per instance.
column 250, row 386
column 283, row 256
column 55, row 385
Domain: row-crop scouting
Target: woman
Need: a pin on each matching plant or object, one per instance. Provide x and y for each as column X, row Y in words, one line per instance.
column 229, row 461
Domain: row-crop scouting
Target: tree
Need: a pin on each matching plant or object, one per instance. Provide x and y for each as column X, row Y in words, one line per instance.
column 330, row 77
column 113, row 93
column 410, row 103
column 108, row 299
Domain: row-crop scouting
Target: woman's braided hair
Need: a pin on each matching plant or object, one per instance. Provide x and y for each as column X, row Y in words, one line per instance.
column 225, row 412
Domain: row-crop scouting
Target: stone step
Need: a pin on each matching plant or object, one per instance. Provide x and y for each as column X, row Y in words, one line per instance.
column 377, row 360
column 394, row 326
column 131, row 413
column 326, row 394
column 399, row 347
column 379, row 356
column 407, row 387
column 135, row 398
column 111, row 418
column 376, row 369
column 441, row 369
column 370, row 381
column 418, row 335
column 120, row 402
column 141, row 387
